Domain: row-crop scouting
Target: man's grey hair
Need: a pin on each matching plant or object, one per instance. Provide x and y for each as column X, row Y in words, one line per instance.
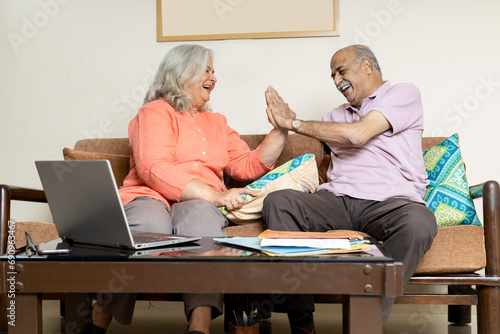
column 362, row 52
column 184, row 63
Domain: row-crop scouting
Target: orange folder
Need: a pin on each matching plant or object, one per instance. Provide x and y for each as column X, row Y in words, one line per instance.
column 340, row 234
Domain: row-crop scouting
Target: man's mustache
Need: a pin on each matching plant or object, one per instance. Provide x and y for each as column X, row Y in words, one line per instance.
column 343, row 85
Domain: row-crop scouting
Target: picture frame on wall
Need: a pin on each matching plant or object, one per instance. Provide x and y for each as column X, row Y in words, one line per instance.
column 190, row 20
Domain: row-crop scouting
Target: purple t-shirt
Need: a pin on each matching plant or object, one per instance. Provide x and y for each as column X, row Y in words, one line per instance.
column 389, row 164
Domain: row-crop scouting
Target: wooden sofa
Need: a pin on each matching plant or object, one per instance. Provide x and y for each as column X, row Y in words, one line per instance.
column 464, row 258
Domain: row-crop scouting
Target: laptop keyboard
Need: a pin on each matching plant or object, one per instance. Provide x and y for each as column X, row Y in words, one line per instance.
column 144, row 238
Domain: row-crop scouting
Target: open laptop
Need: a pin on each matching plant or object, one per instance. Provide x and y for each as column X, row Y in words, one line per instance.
column 84, row 201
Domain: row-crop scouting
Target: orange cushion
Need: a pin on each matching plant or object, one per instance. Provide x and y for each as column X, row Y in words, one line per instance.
column 120, row 164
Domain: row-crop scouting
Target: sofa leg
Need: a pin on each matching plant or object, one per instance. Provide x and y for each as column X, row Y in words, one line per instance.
column 488, row 310
column 459, row 329
column 460, row 314
column 4, row 303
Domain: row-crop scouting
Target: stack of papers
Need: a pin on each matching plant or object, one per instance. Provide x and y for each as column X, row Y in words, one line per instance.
column 314, row 243
column 276, row 243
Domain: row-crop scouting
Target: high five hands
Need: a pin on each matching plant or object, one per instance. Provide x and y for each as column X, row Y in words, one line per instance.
column 278, row 112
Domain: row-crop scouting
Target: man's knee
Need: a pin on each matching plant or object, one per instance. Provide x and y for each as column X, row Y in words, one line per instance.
column 281, row 210
column 269, row 201
column 276, row 199
column 420, row 223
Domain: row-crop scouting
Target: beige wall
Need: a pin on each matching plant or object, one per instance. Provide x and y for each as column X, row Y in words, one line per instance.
column 76, row 69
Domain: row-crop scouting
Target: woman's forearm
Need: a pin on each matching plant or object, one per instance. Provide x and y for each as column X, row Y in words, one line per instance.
column 273, row 144
column 196, row 189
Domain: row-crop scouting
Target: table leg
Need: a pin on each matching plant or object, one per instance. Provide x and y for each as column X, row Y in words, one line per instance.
column 77, row 313
column 28, row 314
column 362, row 314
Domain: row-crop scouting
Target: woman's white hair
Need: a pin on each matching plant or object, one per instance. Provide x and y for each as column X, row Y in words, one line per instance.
column 187, row 62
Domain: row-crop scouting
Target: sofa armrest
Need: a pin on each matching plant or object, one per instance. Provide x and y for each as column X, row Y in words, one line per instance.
column 476, row 191
column 7, row 194
column 27, row 194
column 490, row 193
column 491, row 211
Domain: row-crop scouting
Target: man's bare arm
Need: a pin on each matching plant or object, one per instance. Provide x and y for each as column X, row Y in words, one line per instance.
column 348, row 134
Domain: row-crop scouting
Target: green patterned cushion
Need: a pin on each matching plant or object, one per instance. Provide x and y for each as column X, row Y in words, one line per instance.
column 448, row 195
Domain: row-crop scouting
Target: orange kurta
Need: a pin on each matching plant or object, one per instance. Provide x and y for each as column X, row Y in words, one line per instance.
column 169, row 149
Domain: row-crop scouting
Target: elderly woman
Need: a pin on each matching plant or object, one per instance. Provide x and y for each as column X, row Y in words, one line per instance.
column 179, row 151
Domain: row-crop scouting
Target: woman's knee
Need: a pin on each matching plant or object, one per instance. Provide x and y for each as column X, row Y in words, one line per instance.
column 149, row 215
column 198, row 217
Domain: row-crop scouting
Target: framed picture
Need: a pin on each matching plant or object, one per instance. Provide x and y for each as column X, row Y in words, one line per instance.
column 189, row 20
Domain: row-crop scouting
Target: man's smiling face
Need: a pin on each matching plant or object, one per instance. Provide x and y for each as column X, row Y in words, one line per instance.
column 350, row 79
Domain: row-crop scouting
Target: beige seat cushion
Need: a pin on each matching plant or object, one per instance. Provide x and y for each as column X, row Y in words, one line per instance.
column 298, row 173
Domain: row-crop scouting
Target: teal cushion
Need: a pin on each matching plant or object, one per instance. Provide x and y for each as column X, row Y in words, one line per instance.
column 447, row 194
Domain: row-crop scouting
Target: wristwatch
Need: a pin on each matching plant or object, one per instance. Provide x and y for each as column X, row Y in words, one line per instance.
column 296, row 124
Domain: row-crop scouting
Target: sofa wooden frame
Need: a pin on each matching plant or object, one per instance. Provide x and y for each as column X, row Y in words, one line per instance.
column 464, row 289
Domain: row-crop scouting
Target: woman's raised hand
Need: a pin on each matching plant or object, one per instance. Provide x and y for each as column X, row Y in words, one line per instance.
column 278, row 112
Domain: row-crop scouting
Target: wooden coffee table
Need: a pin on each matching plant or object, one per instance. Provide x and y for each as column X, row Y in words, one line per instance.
column 361, row 280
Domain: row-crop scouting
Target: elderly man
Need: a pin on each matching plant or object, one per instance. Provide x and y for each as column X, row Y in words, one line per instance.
column 376, row 179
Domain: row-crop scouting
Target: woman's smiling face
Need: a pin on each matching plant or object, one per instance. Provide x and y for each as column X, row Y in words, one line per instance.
column 199, row 91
